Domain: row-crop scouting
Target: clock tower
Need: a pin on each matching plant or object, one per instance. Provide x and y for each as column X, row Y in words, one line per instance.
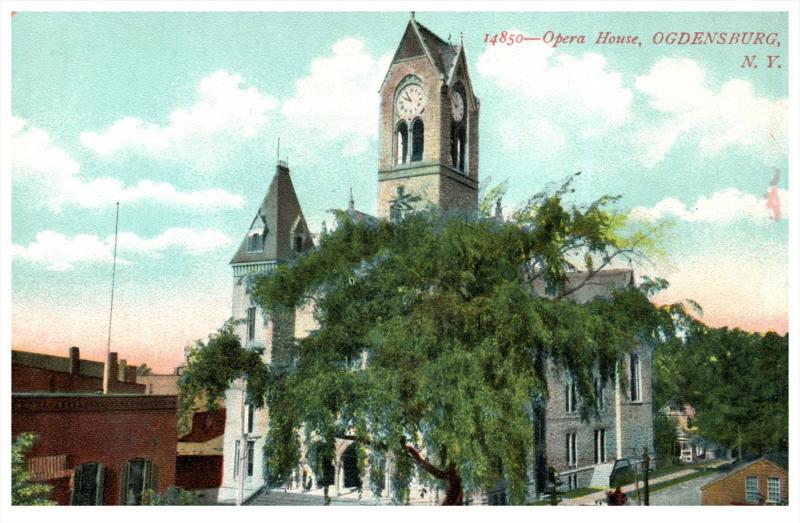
column 428, row 128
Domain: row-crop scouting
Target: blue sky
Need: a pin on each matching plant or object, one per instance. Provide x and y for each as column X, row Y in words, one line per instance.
column 177, row 115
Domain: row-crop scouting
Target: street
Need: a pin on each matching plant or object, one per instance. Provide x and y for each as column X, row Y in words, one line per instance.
column 686, row 493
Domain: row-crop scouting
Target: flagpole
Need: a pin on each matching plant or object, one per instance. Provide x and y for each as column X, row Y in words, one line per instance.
column 113, row 278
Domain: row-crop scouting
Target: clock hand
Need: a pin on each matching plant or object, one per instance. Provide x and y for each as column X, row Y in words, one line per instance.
column 407, row 97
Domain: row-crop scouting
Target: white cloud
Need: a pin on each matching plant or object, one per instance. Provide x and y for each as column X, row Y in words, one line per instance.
column 194, row 242
column 337, row 102
column 576, row 86
column 59, row 252
column 721, row 207
column 224, row 109
column 733, row 116
column 53, row 174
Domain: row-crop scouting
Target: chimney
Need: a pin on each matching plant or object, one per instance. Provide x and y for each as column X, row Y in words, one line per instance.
column 74, row 361
column 122, row 370
column 110, row 372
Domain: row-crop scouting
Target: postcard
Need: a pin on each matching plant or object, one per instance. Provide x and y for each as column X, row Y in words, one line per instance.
column 366, row 255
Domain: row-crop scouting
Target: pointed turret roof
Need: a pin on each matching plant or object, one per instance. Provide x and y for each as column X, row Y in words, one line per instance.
column 277, row 218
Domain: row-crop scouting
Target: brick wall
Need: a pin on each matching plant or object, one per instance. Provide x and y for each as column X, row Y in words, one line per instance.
column 31, row 379
column 731, row 489
column 427, row 178
column 195, row 472
column 106, row 429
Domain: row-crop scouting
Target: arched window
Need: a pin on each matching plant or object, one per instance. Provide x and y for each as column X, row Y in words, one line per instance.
column 88, row 480
column 138, row 475
column 458, row 129
column 462, row 147
column 402, row 143
column 298, row 244
column 417, row 140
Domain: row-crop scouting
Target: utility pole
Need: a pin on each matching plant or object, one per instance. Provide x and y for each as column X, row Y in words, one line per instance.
column 242, row 463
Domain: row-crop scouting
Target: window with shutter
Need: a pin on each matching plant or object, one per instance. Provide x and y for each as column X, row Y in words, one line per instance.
column 87, row 484
column 100, row 484
column 123, row 484
column 138, row 475
column 251, row 447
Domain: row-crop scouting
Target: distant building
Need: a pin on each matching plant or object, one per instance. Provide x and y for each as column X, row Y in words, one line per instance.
column 763, row 481
column 34, row 372
column 94, row 448
column 198, row 465
column 691, row 447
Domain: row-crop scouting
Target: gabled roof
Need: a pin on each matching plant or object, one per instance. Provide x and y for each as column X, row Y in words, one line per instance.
column 780, row 461
column 442, row 53
column 418, row 40
column 279, row 213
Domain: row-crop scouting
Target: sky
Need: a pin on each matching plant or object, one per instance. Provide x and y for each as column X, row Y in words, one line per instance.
column 177, row 116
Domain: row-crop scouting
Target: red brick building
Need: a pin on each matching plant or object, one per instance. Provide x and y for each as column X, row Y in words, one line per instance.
column 764, row 481
column 93, row 448
column 33, row 372
column 92, row 445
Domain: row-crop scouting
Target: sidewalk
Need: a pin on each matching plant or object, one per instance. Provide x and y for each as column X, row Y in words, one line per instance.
column 630, row 489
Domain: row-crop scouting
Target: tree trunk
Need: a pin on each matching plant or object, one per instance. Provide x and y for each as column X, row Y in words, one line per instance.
column 455, row 492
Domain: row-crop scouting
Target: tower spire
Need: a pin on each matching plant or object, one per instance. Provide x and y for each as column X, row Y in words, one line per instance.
column 351, row 205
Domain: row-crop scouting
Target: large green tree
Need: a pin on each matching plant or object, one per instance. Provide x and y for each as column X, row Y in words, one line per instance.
column 737, row 381
column 433, row 337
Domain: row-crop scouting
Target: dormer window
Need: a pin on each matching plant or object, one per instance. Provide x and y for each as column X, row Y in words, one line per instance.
column 255, row 243
column 298, row 235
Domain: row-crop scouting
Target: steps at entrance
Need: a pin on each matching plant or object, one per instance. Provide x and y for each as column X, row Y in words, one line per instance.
column 601, row 477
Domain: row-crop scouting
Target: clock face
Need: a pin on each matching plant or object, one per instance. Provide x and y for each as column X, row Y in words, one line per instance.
column 410, row 102
column 457, row 103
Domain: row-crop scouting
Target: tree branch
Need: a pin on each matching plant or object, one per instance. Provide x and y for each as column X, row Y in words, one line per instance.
column 427, row 465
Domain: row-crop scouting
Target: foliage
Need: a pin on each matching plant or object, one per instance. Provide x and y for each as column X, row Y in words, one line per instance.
column 434, row 334
column 144, row 370
column 172, row 496
column 212, row 366
column 23, row 490
column 665, row 438
column 737, row 381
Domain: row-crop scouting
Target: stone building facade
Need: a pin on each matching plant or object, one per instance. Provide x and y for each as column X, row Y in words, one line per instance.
column 428, row 156
column 621, row 425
